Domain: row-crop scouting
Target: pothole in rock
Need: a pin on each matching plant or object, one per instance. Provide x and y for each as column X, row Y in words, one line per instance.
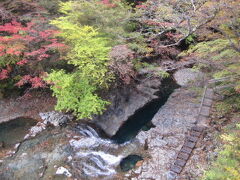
column 13, row 132
column 129, row 162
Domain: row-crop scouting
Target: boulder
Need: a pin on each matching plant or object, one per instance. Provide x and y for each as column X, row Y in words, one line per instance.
column 184, row 76
column 55, row 118
column 125, row 101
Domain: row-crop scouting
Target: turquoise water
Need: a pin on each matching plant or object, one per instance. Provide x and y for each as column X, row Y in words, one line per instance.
column 13, row 131
column 129, row 162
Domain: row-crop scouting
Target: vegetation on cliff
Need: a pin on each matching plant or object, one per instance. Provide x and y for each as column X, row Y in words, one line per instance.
column 228, row 161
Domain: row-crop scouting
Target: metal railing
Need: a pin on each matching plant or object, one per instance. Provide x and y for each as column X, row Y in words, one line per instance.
column 212, row 81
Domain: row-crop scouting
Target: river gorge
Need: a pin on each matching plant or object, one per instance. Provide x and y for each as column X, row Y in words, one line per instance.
column 86, row 151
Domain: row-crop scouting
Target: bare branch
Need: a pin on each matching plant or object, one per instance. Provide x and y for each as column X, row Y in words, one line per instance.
column 191, row 30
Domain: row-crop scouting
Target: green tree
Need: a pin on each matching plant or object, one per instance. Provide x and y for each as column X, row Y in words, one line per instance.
column 111, row 18
column 75, row 93
column 88, row 52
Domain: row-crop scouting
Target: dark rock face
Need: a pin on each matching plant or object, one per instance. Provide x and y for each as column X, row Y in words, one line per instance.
column 125, row 101
column 129, row 162
column 12, row 108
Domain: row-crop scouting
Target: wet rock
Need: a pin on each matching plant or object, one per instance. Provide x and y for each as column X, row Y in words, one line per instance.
column 60, row 153
column 39, row 127
column 55, row 118
column 36, row 158
column 63, row 170
column 184, row 76
column 125, row 101
column 14, row 131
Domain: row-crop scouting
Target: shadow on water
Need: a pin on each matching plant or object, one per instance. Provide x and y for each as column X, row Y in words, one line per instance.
column 129, row 162
column 141, row 120
column 13, row 131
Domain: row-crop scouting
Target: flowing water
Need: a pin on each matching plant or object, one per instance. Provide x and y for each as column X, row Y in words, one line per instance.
column 95, row 156
column 99, row 157
column 90, row 155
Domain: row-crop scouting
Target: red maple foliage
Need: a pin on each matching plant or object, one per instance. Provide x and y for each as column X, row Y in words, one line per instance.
column 108, row 3
column 3, row 74
column 27, row 46
column 36, row 82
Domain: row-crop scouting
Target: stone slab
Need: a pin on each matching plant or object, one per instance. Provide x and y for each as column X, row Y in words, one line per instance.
column 192, row 138
column 171, row 175
column 198, row 128
column 186, row 149
column 180, row 162
column 176, row 169
column 209, row 93
column 195, row 133
column 203, row 121
column 207, row 102
column 189, row 144
column 205, row 111
column 202, row 118
column 183, row 156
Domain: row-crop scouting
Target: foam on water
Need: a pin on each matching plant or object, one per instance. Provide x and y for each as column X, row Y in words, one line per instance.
column 108, row 158
column 90, row 153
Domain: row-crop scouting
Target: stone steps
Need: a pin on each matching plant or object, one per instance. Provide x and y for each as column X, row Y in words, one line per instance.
column 194, row 135
column 196, row 131
column 186, row 150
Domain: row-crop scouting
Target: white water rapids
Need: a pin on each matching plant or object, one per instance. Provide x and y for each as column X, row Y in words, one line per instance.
column 95, row 156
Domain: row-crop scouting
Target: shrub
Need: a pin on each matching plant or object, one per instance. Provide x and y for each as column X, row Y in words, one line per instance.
column 121, row 63
column 74, row 93
column 221, row 56
column 226, row 167
column 51, row 6
column 111, row 18
column 77, row 91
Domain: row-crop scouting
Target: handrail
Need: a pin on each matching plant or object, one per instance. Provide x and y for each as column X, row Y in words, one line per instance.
column 203, row 97
column 211, row 81
column 222, row 79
